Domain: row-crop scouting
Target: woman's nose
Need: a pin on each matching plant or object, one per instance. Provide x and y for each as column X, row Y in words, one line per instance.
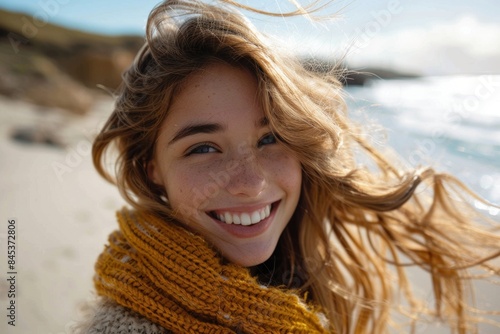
column 247, row 177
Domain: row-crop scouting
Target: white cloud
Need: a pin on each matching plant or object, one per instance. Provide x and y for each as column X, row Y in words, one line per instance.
column 464, row 45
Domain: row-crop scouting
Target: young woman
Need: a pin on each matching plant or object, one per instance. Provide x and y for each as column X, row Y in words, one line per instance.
column 251, row 213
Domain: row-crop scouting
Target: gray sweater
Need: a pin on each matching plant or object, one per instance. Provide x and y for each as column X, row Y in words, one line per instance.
column 107, row 317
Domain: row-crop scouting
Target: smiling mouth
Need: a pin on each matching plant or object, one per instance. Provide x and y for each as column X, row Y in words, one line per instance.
column 244, row 218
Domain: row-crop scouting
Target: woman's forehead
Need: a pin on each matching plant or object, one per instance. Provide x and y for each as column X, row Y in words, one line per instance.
column 219, row 94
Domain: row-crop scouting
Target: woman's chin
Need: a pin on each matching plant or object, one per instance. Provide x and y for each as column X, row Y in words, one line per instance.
column 249, row 258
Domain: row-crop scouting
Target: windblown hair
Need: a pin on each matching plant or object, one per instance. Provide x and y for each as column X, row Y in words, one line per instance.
column 356, row 230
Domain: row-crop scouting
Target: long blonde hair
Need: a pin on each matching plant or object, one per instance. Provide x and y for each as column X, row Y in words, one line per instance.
column 356, row 229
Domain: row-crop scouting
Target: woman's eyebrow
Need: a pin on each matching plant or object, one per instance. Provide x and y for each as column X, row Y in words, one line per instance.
column 262, row 122
column 193, row 129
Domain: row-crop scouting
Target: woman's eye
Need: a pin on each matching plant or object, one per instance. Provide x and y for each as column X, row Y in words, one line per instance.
column 267, row 139
column 202, row 149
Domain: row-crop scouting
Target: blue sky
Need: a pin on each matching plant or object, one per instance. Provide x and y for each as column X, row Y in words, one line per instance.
column 425, row 36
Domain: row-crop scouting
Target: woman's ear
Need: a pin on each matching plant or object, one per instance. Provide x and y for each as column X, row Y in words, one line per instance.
column 154, row 172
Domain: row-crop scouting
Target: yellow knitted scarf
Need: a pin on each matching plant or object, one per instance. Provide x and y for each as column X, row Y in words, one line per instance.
column 175, row 279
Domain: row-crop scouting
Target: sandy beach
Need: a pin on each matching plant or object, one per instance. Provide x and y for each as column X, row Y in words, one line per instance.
column 63, row 211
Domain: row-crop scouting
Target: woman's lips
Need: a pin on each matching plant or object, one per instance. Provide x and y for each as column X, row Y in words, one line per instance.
column 243, row 218
column 245, row 224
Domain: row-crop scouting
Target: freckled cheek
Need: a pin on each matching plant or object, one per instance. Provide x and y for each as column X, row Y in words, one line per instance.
column 284, row 170
column 191, row 186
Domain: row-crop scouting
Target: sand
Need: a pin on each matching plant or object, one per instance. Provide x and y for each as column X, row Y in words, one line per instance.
column 63, row 210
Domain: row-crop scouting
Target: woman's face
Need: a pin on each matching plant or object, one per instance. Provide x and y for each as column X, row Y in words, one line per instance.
column 223, row 169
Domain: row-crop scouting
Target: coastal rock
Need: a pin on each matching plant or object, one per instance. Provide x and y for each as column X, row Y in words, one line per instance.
column 38, row 80
column 94, row 68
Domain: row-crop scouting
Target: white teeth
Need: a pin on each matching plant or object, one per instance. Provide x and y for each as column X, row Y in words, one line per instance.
column 228, row 218
column 245, row 218
column 255, row 217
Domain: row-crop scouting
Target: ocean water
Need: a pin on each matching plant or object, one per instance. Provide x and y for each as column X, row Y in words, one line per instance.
column 451, row 123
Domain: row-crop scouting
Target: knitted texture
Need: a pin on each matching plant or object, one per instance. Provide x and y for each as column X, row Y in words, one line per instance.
column 110, row 318
column 177, row 280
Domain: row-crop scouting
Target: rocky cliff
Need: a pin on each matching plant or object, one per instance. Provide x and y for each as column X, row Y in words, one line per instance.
column 58, row 67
